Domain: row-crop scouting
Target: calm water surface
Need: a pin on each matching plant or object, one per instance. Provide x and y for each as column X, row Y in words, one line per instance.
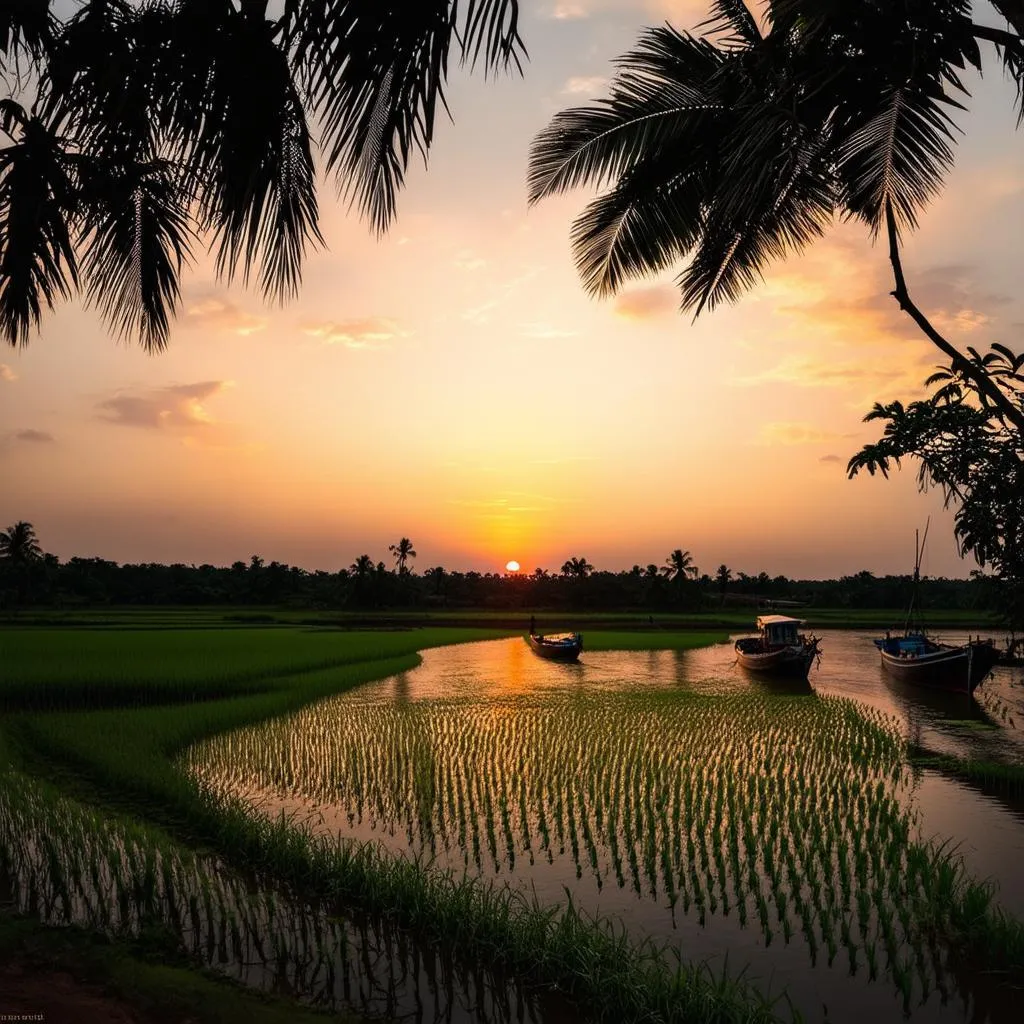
column 401, row 762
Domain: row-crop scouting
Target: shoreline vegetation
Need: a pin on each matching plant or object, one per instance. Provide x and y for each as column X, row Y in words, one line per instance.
column 89, row 737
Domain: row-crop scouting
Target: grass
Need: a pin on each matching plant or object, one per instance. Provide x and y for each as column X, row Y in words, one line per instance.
column 134, row 972
column 666, row 803
column 995, row 777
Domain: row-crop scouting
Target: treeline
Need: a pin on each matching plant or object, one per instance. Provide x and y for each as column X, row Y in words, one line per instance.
column 30, row 578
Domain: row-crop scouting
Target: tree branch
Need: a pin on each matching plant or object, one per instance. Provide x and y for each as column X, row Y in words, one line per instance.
column 1013, row 12
column 1006, row 409
column 998, row 36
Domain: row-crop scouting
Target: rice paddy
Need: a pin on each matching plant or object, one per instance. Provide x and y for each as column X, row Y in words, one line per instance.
column 490, row 835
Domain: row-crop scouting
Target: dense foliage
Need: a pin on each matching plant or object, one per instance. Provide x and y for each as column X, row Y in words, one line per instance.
column 45, row 581
column 964, row 445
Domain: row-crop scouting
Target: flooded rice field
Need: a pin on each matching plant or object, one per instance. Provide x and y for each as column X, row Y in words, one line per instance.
column 771, row 827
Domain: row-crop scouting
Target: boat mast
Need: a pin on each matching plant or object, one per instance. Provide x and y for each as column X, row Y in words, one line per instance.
column 918, row 554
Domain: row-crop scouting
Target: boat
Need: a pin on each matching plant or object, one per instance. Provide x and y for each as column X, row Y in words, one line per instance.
column 556, row 646
column 916, row 658
column 779, row 648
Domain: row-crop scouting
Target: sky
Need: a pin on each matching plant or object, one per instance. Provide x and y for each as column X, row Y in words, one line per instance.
column 453, row 383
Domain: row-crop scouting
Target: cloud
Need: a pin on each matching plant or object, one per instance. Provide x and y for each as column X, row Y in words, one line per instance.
column 220, row 313
column 566, row 11
column 832, row 458
column 466, row 259
column 647, row 303
column 584, row 85
column 31, row 436
column 797, row 433
column 7, row 374
column 545, row 330
column 370, row 332
column 178, row 408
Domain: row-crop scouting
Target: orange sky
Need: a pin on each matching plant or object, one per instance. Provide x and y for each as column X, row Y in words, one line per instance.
column 453, row 383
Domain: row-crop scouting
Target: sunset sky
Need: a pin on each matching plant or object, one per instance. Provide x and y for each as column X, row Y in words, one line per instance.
column 453, row 383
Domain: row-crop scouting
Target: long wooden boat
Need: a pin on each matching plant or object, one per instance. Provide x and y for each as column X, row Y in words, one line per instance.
column 915, row 658
column 556, row 646
column 779, row 648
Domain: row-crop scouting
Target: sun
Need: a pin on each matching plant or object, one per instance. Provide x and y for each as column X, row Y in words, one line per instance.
column 512, row 566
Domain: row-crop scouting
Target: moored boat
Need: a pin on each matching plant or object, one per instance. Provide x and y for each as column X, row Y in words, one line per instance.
column 557, row 646
column 916, row 658
column 779, row 648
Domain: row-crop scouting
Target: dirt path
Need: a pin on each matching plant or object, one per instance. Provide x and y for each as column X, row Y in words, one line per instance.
column 56, row 997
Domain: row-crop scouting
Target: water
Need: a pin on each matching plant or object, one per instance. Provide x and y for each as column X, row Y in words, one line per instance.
column 544, row 776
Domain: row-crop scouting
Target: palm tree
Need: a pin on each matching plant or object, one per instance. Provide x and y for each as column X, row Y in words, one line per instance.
column 579, row 568
column 723, row 578
column 679, row 565
column 19, row 545
column 362, row 567
column 740, row 147
column 142, row 131
column 402, row 552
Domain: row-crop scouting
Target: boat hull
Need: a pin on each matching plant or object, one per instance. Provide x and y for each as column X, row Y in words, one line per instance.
column 942, row 667
column 793, row 660
column 556, row 650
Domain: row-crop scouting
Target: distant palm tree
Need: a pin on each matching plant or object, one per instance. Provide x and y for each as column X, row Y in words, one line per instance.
column 437, row 575
column 362, row 567
column 255, row 563
column 144, row 128
column 19, row 544
column 402, row 552
column 651, row 572
column 579, row 568
column 723, row 578
column 728, row 151
column 679, row 565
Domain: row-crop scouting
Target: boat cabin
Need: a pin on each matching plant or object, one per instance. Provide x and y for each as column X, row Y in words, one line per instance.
column 779, row 630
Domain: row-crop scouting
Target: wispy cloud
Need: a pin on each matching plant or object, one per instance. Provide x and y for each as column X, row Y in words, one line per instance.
column 647, row 303
column 584, row 85
column 368, row 332
column 566, row 11
column 7, row 374
column 30, row 436
column 466, row 259
column 179, row 409
column 832, row 458
column 216, row 311
column 545, row 330
column 797, row 433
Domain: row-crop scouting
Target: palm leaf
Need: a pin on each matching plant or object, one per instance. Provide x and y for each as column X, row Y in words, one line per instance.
column 26, row 25
column 138, row 236
column 37, row 197
column 661, row 96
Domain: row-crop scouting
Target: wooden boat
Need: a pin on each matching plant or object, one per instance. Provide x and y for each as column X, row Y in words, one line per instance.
column 557, row 646
column 915, row 658
column 779, row 648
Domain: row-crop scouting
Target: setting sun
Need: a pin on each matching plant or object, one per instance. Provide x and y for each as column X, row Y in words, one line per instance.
column 512, row 566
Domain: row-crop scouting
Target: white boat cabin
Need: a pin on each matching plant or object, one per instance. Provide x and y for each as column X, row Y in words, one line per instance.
column 779, row 630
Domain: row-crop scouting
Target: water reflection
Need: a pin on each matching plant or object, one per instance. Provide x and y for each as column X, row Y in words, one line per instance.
column 606, row 776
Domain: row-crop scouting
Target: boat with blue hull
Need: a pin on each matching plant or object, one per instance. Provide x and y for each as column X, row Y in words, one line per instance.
column 556, row 646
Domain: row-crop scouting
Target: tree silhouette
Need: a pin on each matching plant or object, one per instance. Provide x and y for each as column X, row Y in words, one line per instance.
column 741, row 147
column 402, row 552
column 723, row 578
column 144, row 130
column 20, row 555
column 578, row 568
column 362, row 567
column 679, row 565
column 19, row 545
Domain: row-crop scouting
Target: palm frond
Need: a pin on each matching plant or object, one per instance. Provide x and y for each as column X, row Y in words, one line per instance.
column 138, row 236
column 897, row 152
column 731, row 25
column 37, row 199
column 784, row 200
column 659, row 97
column 25, row 25
column 490, row 28
column 649, row 220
